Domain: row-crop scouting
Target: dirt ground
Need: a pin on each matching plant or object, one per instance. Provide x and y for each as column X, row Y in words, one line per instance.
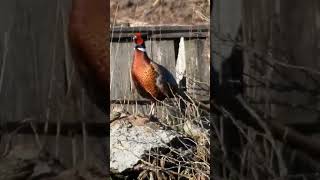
column 159, row 12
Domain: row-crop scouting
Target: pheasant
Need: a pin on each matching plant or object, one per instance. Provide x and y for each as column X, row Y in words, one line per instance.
column 152, row 80
column 88, row 29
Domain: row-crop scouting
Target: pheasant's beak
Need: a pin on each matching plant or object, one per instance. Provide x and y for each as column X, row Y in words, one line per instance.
column 134, row 37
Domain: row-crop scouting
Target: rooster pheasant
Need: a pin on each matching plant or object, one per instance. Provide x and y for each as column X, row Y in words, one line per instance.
column 152, row 80
column 88, row 29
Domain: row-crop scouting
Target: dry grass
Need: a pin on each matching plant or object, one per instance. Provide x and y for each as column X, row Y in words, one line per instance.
column 159, row 12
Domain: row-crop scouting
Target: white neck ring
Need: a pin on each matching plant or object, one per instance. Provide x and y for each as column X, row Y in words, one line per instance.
column 141, row 49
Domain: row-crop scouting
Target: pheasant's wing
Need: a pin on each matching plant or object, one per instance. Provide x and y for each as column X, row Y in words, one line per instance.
column 165, row 80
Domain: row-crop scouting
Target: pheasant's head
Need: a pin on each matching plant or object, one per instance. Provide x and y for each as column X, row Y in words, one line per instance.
column 138, row 38
column 139, row 42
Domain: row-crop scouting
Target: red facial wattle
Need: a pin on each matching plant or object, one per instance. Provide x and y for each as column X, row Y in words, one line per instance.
column 138, row 39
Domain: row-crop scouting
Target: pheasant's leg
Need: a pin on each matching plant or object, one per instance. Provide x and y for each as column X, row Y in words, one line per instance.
column 152, row 108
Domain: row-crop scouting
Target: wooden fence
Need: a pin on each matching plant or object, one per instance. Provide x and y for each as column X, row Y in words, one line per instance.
column 166, row 45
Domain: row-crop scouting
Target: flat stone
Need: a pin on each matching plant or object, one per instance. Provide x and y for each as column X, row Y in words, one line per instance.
column 130, row 141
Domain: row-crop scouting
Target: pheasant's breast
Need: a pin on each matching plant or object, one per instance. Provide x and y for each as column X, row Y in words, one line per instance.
column 146, row 78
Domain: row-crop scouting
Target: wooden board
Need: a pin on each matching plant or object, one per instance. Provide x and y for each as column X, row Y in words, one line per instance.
column 197, row 70
column 160, row 32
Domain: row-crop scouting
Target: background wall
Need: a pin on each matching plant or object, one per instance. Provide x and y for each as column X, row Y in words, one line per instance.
column 39, row 86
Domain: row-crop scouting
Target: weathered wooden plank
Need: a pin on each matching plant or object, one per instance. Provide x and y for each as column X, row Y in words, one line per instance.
column 121, row 55
column 124, row 37
column 197, row 70
column 121, row 34
column 161, row 29
column 163, row 52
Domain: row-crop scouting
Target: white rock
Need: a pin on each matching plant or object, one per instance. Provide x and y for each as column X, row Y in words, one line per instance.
column 128, row 143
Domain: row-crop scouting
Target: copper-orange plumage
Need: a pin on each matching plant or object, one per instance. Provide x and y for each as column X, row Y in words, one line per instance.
column 88, row 25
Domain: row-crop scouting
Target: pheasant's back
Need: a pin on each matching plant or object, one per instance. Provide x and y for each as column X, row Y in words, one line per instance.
column 88, row 40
